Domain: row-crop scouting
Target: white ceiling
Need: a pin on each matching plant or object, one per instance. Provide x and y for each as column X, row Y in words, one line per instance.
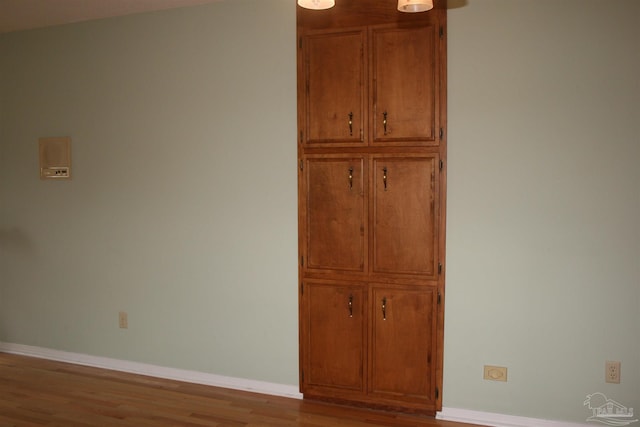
column 16, row 15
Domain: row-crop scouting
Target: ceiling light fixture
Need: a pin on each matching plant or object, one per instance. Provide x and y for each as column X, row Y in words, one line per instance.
column 403, row 5
column 415, row 5
column 316, row 4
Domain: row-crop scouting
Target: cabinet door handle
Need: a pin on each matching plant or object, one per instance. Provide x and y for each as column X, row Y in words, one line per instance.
column 351, row 123
column 384, row 122
column 350, row 305
column 384, row 308
column 351, row 178
column 384, row 177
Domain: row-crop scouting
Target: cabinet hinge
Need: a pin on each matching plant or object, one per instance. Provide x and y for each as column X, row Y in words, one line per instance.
column 439, row 298
column 437, row 393
column 302, row 288
column 441, row 164
column 439, row 268
column 302, row 261
column 301, row 165
column 301, row 137
column 441, row 33
column 441, row 133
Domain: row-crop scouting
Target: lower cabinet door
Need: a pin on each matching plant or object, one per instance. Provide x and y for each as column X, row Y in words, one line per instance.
column 333, row 337
column 403, row 343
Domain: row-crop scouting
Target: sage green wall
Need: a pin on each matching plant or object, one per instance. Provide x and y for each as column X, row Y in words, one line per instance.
column 182, row 208
column 543, row 267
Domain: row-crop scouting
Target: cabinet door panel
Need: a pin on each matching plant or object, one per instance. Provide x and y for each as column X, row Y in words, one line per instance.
column 403, row 345
column 404, row 84
column 405, row 208
column 335, row 343
column 335, row 213
column 335, row 73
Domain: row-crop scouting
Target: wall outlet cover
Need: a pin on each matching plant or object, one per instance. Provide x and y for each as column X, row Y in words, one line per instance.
column 123, row 320
column 612, row 372
column 495, row 373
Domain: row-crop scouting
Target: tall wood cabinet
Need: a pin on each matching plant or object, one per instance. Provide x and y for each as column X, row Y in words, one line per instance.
column 372, row 187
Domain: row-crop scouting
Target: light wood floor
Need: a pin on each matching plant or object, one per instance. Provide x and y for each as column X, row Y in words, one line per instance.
column 37, row 392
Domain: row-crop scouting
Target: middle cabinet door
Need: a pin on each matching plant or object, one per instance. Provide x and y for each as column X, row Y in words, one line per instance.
column 405, row 215
column 334, row 213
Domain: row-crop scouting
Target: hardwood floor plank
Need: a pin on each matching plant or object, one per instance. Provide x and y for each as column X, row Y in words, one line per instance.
column 38, row 392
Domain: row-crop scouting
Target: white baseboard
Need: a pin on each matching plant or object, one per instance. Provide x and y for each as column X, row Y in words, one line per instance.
column 154, row 371
column 447, row 414
column 499, row 420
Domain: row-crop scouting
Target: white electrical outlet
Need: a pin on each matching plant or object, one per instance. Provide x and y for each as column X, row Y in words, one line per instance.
column 612, row 372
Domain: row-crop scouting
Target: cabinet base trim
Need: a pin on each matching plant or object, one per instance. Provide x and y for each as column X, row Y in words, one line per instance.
column 153, row 370
column 499, row 420
column 390, row 406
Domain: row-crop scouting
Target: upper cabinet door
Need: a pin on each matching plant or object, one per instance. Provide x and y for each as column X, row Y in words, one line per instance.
column 334, row 214
column 404, row 88
column 405, row 215
column 334, row 101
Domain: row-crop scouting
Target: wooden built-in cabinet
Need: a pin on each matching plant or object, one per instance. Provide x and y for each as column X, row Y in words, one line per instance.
column 372, row 187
